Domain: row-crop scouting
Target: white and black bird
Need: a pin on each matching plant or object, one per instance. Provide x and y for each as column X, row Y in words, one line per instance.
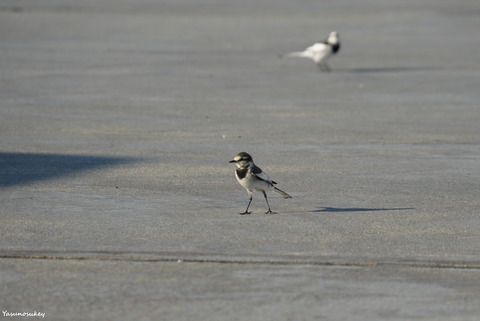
column 320, row 51
column 252, row 178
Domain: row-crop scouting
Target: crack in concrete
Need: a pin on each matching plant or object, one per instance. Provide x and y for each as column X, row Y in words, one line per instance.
column 127, row 256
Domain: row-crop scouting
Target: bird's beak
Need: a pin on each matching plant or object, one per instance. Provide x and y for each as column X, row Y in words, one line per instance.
column 232, row 161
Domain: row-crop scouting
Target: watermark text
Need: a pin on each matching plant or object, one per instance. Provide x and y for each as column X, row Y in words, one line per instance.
column 7, row 313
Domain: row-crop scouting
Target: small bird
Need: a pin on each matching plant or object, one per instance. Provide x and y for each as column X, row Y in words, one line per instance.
column 252, row 178
column 320, row 51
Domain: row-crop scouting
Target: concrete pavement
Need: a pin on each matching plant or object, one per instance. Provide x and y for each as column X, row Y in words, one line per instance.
column 118, row 119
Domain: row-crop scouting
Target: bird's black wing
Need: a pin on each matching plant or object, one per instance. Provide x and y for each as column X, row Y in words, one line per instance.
column 258, row 173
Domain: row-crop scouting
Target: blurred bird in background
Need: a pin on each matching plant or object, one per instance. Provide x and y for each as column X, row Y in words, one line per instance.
column 320, row 51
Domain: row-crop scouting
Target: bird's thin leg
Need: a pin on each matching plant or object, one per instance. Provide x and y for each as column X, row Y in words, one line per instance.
column 246, row 211
column 323, row 67
column 266, row 199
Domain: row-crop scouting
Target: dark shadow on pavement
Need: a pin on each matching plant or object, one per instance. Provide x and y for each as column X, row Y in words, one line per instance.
column 24, row 168
column 359, row 209
column 388, row 69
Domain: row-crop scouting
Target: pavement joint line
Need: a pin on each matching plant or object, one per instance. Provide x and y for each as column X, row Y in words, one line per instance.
column 219, row 259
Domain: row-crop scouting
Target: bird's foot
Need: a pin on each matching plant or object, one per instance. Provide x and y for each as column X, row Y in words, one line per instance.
column 245, row 213
column 270, row 212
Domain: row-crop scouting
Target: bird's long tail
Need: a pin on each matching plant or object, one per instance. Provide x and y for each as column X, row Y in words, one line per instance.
column 292, row 54
column 279, row 191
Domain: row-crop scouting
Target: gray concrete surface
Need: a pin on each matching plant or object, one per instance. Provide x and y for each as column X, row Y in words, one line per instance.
column 118, row 119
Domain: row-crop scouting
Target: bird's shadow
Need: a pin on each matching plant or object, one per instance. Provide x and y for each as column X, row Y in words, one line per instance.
column 357, row 209
column 388, row 69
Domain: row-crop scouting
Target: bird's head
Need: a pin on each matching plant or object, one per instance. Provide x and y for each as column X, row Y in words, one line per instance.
column 333, row 38
column 242, row 160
